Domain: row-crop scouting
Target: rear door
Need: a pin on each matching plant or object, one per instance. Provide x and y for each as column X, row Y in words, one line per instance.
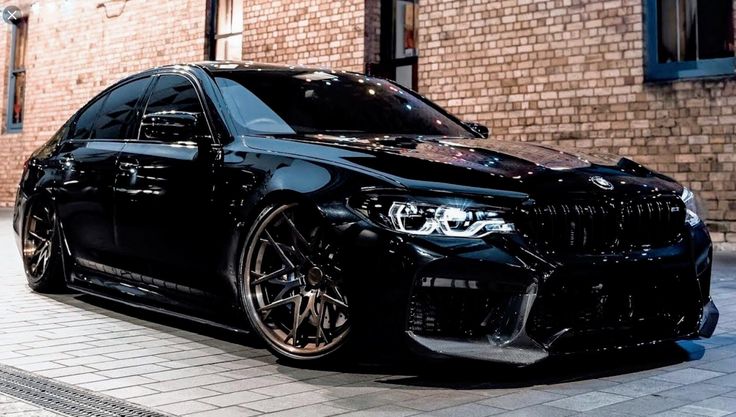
column 164, row 198
column 87, row 162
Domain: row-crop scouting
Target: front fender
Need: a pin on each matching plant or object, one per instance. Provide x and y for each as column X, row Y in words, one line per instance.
column 251, row 180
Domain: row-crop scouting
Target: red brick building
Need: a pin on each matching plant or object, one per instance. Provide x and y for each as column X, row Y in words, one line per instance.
column 651, row 79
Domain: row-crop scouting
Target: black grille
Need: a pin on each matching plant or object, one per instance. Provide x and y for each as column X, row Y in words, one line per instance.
column 588, row 226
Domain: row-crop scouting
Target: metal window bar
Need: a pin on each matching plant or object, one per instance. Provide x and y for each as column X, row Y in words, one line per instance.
column 679, row 30
column 697, row 31
column 227, row 35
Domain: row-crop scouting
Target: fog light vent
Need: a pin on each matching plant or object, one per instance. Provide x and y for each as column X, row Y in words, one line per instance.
column 455, row 311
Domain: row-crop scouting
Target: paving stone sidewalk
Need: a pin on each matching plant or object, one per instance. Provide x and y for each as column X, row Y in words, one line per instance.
column 11, row 407
column 182, row 369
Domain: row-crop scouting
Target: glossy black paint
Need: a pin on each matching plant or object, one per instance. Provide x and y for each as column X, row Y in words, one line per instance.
column 160, row 224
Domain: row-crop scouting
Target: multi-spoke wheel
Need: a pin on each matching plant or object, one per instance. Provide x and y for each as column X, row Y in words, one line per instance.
column 293, row 288
column 41, row 252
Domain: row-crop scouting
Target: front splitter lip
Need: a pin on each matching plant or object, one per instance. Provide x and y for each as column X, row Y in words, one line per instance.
column 523, row 354
column 524, row 351
column 515, row 355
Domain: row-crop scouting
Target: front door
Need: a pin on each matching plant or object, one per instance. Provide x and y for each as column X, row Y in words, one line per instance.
column 163, row 199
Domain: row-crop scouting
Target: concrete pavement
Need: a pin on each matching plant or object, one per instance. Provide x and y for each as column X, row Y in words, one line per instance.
column 178, row 368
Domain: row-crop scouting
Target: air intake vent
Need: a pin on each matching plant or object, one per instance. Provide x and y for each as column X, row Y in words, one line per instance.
column 590, row 226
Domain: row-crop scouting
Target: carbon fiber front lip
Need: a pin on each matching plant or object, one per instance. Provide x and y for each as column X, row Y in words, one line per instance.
column 522, row 352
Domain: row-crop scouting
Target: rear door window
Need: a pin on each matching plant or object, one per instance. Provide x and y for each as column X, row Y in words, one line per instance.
column 118, row 113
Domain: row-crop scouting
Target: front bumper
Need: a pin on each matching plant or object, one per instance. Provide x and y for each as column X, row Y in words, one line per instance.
column 498, row 300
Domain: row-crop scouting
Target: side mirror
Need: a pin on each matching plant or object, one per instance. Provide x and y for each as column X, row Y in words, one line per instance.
column 478, row 128
column 171, row 126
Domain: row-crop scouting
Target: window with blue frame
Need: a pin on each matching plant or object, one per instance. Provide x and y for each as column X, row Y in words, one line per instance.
column 689, row 39
column 16, row 75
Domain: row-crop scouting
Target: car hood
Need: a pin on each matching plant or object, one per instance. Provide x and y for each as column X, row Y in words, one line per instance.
column 476, row 166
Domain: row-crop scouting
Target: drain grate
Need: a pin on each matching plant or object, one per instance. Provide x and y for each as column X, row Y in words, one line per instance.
column 65, row 399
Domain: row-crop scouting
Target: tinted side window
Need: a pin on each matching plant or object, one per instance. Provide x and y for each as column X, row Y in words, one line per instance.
column 86, row 119
column 118, row 111
column 173, row 92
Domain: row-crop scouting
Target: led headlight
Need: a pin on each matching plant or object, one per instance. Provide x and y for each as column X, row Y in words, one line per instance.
column 694, row 210
column 433, row 216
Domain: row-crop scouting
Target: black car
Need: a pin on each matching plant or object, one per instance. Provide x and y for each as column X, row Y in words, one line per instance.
column 324, row 209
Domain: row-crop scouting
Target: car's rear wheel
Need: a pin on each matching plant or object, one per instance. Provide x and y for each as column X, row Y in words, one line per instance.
column 41, row 249
column 292, row 286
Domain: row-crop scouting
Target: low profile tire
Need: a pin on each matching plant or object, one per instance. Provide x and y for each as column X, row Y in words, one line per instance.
column 42, row 249
column 292, row 287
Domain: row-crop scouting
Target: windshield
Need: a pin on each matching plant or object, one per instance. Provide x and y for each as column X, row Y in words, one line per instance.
column 303, row 102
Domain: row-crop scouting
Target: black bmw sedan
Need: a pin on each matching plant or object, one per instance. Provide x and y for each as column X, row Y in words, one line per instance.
column 325, row 209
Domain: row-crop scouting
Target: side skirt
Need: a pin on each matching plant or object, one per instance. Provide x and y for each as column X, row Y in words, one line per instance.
column 159, row 310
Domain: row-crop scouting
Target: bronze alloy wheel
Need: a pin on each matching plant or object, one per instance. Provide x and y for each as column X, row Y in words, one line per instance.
column 292, row 286
column 38, row 241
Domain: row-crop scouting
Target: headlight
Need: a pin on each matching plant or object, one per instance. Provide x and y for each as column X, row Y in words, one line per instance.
column 694, row 210
column 433, row 216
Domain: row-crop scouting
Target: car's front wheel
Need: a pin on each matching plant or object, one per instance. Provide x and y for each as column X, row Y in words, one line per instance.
column 42, row 249
column 292, row 284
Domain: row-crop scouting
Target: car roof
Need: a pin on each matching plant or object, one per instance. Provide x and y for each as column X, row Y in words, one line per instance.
column 237, row 66
column 214, row 67
column 228, row 66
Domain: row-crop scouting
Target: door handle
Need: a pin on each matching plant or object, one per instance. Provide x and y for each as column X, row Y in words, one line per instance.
column 66, row 160
column 130, row 166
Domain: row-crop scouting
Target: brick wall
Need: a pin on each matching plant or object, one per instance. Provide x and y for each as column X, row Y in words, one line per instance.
column 308, row 32
column 77, row 48
column 74, row 51
column 570, row 72
column 567, row 72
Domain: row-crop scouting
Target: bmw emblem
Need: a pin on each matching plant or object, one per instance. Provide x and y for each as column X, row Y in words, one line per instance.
column 601, row 183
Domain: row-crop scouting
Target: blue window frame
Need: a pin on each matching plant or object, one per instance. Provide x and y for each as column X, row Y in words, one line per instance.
column 689, row 39
column 16, row 76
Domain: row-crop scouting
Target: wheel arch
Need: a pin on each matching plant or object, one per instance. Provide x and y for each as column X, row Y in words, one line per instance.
column 263, row 178
column 29, row 199
column 244, row 225
column 45, row 196
column 270, row 208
